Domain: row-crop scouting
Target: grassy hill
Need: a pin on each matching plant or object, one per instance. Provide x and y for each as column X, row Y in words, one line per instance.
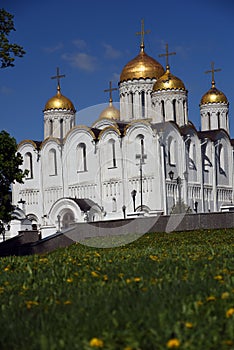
column 162, row 291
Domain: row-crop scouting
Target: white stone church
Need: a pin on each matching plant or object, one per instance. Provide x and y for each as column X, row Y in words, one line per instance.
column 144, row 159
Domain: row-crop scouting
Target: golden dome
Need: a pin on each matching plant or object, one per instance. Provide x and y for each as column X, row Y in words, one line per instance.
column 142, row 66
column 168, row 82
column 214, row 96
column 110, row 112
column 59, row 102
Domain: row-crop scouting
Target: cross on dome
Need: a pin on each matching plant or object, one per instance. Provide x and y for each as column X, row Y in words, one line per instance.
column 167, row 54
column 58, row 77
column 212, row 71
column 110, row 90
column 142, row 33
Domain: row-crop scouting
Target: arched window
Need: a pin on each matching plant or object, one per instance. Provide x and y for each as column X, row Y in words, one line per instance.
column 114, row 205
column 163, row 110
column 51, row 127
column 174, row 109
column 112, row 152
column 82, row 157
column 218, row 119
column 61, row 128
column 184, row 110
column 29, row 165
column 209, row 123
column 141, row 147
column 131, row 105
column 172, row 151
column 192, row 156
column 143, row 103
column 52, row 162
column 221, row 159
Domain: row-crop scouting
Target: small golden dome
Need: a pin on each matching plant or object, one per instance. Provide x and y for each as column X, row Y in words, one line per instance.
column 214, row 96
column 168, row 82
column 142, row 66
column 59, row 102
column 110, row 112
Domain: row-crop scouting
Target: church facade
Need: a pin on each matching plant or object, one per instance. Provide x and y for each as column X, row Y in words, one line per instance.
column 144, row 159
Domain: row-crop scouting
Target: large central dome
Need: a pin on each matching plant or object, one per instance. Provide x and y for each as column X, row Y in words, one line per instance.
column 142, row 66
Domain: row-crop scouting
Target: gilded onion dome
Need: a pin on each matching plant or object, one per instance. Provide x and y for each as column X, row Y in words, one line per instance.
column 110, row 112
column 168, row 82
column 142, row 66
column 59, row 102
column 213, row 96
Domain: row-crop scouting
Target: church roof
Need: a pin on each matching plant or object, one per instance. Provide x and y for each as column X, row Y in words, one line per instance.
column 168, row 81
column 211, row 134
column 110, row 112
column 213, row 96
column 142, row 66
column 85, row 204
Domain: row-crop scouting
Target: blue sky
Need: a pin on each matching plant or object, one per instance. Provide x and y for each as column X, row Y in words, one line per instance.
column 91, row 41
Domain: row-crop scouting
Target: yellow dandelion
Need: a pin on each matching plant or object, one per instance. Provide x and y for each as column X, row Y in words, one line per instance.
column 218, row 277
column 199, row 303
column 105, row 278
column 120, row 274
column 96, row 343
column 94, row 274
column 230, row 312
column 153, row 257
column 69, row 280
column 188, row 325
column 1, row 290
column 228, row 342
column 6, row 269
column 225, row 295
column 97, row 254
column 173, row 343
column 211, row 298
column 67, row 302
column 31, row 303
column 76, row 274
column 128, row 348
column 137, row 279
column 128, row 280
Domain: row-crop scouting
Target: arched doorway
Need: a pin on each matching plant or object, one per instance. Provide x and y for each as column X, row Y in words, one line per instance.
column 68, row 218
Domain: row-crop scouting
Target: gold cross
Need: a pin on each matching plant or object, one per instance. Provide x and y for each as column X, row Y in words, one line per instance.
column 110, row 90
column 142, row 33
column 58, row 77
column 212, row 71
column 167, row 54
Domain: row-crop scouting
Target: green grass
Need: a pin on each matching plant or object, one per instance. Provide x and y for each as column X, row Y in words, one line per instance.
column 139, row 296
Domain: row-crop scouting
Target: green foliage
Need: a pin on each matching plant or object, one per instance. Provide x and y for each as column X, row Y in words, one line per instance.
column 7, row 50
column 161, row 290
column 10, row 161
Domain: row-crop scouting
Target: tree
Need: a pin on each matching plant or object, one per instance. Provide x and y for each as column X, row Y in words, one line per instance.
column 10, row 161
column 7, row 50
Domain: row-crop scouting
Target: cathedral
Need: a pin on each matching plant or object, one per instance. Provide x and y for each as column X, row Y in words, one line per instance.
column 145, row 159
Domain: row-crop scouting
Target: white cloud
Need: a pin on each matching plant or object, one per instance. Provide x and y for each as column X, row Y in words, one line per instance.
column 80, row 44
column 81, row 60
column 54, row 48
column 110, row 52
